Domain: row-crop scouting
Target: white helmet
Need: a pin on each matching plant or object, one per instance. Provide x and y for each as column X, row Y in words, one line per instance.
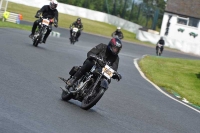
column 53, row 4
column 118, row 28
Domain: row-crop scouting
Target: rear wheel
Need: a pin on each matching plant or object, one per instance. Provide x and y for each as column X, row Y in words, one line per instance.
column 89, row 101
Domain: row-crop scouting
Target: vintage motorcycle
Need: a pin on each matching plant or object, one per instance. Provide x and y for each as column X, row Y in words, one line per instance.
column 41, row 31
column 90, row 87
column 73, row 36
column 158, row 50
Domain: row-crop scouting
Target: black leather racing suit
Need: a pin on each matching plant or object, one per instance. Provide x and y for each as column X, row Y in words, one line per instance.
column 101, row 51
column 46, row 13
column 77, row 25
column 118, row 33
column 162, row 42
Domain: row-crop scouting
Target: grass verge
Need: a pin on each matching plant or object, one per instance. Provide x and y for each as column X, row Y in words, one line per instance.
column 175, row 75
column 65, row 20
column 13, row 25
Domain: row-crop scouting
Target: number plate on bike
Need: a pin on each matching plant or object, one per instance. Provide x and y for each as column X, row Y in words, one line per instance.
column 45, row 22
column 75, row 29
column 107, row 71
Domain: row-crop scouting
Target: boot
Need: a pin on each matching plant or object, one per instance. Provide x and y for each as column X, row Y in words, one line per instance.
column 31, row 36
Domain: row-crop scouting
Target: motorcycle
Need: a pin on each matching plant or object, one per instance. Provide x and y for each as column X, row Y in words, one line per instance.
column 90, row 87
column 41, row 31
column 158, row 50
column 73, row 36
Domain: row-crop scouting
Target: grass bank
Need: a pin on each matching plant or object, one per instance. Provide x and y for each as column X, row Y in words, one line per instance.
column 175, row 75
column 65, row 20
column 13, row 25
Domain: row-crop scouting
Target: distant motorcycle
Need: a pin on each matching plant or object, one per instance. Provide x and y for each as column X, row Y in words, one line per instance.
column 91, row 86
column 73, row 36
column 158, row 50
column 41, row 31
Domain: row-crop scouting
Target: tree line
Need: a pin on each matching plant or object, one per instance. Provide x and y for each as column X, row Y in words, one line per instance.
column 142, row 12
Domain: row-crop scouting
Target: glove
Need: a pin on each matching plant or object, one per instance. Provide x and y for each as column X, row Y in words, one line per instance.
column 56, row 25
column 36, row 16
column 118, row 77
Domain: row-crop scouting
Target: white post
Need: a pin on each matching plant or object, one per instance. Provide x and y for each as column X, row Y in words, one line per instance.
column 1, row 4
column 6, row 5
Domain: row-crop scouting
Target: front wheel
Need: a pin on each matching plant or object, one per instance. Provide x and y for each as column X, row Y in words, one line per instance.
column 66, row 96
column 89, row 101
column 35, row 42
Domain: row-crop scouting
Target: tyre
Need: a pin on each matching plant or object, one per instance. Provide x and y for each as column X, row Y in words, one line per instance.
column 36, row 42
column 66, row 96
column 89, row 102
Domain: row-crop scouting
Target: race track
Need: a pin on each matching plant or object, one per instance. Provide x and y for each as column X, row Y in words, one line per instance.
column 30, row 96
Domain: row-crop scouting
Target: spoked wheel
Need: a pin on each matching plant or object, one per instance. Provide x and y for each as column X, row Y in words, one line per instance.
column 36, row 42
column 90, row 100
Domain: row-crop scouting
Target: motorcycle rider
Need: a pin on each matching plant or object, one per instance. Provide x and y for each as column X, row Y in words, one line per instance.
column 47, row 11
column 106, row 52
column 161, row 42
column 118, row 33
column 78, row 25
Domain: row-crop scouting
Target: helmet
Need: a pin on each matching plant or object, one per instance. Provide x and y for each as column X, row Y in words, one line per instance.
column 115, row 46
column 53, row 4
column 78, row 20
column 118, row 28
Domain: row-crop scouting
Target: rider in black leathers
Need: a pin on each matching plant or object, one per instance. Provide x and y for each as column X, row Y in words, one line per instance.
column 78, row 25
column 106, row 52
column 118, row 33
column 161, row 42
column 47, row 11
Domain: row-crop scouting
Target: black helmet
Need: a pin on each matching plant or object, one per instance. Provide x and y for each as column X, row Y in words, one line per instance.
column 78, row 20
column 115, row 46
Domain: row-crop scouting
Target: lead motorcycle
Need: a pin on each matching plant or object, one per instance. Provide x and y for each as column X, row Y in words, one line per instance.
column 41, row 30
column 73, row 35
column 90, row 87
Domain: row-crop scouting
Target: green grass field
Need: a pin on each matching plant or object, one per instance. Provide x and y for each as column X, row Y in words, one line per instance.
column 65, row 20
column 175, row 75
column 13, row 25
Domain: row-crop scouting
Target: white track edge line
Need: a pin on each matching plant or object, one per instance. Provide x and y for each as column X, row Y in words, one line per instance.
column 142, row 74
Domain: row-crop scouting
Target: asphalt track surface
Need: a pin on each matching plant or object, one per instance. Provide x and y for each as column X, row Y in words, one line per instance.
column 30, row 96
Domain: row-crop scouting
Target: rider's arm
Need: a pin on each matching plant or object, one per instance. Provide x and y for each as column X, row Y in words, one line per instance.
column 115, row 64
column 39, row 12
column 56, row 17
column 97, row 49
column 122, row 36
column 81, row 27
column 113, row 34
column 72, row 24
